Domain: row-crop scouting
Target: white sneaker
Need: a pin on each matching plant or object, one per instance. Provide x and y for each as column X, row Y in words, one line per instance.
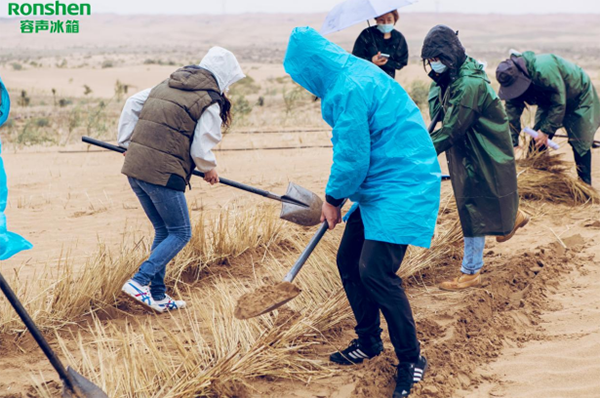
column 167, row 304
column 138, row 292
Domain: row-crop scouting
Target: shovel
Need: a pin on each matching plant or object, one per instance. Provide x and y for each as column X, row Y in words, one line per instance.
column 268, row 298
column 74, row 384
column 299, row 205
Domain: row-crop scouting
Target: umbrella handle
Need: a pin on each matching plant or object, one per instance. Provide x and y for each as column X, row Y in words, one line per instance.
column 37, row 335
column 314, row 241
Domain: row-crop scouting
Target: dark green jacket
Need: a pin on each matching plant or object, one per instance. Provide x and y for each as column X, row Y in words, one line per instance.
column 476, row 138
column 566, row 98
column 159, row 151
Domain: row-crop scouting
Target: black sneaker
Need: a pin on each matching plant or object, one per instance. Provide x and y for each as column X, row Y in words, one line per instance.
column 409, row 374
column 356, row 353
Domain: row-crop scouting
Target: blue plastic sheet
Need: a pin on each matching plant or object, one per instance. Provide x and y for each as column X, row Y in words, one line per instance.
column 383, row 158
column 10, row 243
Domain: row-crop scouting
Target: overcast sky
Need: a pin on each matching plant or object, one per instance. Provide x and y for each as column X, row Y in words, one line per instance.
column 311, row 6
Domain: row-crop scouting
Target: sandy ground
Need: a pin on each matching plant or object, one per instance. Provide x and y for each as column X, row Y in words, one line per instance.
column 530, row 331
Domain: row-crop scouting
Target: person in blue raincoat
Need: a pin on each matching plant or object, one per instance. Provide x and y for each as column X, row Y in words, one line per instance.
column 10, row 243
column 385, row 162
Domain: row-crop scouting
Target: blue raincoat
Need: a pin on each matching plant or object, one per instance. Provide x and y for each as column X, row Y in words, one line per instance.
column 383, row 158
column 10, row 243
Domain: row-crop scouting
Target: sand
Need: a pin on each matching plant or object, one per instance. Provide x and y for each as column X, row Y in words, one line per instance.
column 265, row 299
column 530, row 331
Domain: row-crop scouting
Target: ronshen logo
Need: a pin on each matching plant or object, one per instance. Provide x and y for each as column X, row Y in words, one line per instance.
column 56, row 8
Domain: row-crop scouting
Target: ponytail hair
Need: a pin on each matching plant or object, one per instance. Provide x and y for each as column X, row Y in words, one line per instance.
column 225, row 106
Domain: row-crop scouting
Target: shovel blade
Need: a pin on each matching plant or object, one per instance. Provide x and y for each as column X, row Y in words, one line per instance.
column 83, row 387
column 265, row 299
column 307, row 216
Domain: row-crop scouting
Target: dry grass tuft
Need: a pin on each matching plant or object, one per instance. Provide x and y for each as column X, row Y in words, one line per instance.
column 545, row 177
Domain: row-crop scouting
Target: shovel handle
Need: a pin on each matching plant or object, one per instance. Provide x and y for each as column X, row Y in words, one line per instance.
column 224, row 181
column 314, row 241
column 434, row 121
column 37, row 335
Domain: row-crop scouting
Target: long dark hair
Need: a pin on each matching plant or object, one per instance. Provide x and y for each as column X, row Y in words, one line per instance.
column 225, row 112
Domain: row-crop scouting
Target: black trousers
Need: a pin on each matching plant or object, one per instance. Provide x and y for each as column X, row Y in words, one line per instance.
column 583, row 163
column 368, row 270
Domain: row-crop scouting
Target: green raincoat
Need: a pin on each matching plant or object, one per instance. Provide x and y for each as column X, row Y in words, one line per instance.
column 569, row 100
column 475, row 136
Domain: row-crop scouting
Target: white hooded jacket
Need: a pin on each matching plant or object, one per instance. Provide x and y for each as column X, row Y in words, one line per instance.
column 225, row 67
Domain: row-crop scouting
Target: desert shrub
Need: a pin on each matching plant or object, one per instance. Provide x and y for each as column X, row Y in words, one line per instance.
column 246, row 86
column 16, row 66
column 121, row 89
column 23, row 100
column 32, row 134
column 42, row 122
column 86, row 89
column 63, row 102
column 107, row 64
column 419, row 92
column 294, row 97
column 240, row 106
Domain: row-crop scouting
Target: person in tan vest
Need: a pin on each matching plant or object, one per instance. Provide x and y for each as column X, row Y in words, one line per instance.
column 169, row 130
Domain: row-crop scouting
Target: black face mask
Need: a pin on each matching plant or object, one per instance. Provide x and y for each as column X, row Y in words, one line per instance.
column 441, row 79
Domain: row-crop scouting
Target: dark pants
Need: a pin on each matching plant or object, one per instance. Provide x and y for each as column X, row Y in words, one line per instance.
column 583, row 163
column 584, row 166
column 368, row 270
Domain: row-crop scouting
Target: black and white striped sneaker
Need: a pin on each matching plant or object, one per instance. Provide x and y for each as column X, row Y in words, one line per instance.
column 356, row 353
column 409, row 374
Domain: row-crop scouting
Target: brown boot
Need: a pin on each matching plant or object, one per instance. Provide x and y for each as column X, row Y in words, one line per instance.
column 520, row 222
column 464, row 281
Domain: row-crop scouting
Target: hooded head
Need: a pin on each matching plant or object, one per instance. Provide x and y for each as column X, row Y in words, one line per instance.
column 313, row 61
column 224, row 66
column 443, row 43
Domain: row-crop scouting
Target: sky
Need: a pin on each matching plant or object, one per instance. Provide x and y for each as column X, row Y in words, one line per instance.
column 314, row 6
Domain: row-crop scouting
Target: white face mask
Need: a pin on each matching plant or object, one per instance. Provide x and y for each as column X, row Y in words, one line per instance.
column 438, row 67
column 385, row 28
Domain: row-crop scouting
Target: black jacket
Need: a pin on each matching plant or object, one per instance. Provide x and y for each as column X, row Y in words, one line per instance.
column 371, row 41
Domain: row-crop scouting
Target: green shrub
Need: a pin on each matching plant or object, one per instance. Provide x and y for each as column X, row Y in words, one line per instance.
column 419, row 92
column 240, row 106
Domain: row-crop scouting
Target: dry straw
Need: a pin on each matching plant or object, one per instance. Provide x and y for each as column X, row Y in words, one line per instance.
column 545, row 177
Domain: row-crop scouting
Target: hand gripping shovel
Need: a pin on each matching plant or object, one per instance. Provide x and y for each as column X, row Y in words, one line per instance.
column 299, row 205
column 74, row 384
column 268, row 298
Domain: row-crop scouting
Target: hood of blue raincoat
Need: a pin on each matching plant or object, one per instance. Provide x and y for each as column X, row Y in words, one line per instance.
column 316, row 66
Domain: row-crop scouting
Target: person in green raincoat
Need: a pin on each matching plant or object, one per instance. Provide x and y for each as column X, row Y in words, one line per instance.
column 564, row 95
column 476, row 139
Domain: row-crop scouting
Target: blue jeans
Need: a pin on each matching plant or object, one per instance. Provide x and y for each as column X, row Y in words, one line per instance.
column 168, row 212
column 473, row 255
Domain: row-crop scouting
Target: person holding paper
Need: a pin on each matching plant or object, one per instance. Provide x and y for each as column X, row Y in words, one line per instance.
column 564, row 96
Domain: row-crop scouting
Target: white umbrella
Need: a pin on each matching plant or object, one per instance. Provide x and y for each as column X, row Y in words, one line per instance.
column 351, row 12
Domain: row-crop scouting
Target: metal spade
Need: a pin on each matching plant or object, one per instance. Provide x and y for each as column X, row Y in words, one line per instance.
column 74, row 384
column 299, row 205
column 270, row 297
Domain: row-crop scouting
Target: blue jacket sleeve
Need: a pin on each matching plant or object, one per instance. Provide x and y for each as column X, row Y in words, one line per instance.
column 351, row 146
